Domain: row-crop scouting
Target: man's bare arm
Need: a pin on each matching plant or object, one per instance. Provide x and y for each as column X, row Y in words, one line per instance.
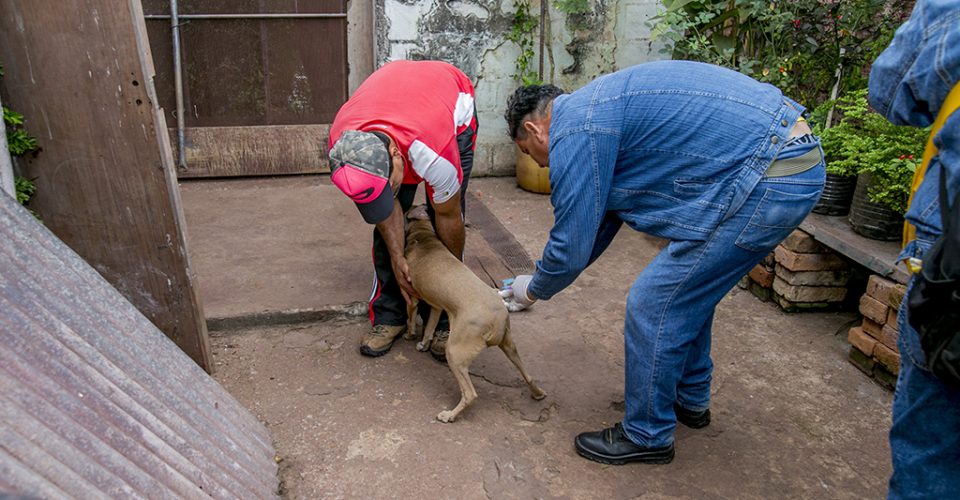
column 392, row 231
column 450, row 228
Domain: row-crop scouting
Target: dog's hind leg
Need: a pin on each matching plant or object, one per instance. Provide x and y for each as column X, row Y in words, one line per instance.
column 411, row 332
column 429, row 329
column 462, row 348
column 510, row 349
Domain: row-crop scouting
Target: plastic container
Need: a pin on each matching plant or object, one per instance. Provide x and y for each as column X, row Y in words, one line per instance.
column 872, row 220
column 837, row 195
column 530, row 176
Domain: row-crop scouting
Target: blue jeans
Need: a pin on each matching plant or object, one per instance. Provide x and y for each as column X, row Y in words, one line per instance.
column 925, row 436
column 670, row 307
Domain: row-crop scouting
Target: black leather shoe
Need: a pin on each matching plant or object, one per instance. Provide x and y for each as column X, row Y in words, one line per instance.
column 612, row 446
column 692, row 419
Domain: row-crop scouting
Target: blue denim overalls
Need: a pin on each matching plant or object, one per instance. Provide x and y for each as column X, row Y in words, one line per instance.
column 908, row 84
column 678, row 150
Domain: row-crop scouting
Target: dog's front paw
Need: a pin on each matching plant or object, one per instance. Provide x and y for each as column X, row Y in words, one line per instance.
column 423, row 346
column 446, row 416
column 538, row 394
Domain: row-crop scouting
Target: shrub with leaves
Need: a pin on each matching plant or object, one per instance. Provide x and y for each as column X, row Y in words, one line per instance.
column 19, row 143
column 25, row 189
column 796, row 45
column 865, row 142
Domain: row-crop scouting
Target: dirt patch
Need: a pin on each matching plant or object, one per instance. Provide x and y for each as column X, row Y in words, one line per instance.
column 791, row 416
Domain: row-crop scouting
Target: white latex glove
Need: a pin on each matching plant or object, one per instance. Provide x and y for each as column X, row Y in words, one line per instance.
column 515, row 295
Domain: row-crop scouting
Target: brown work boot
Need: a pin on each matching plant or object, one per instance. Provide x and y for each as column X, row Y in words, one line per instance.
column 380, row 339
column 438, row 348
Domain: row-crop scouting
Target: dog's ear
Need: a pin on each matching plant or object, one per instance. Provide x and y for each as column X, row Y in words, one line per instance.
column 417, row 212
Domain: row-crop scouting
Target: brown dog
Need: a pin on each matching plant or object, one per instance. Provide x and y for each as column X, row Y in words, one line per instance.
column 478, row 318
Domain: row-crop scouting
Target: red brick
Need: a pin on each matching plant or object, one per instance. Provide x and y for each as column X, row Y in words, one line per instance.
column 813, row 278
column 884, row 377
column 760, row 292
column 808, row 293
column 762, row 276
column 769, row 261
column 887, row 357
column 865, row 363
column 896, row 296
column 863, row 342
column 795, row 261
column 888, row 337
column 880, row 288
column 873, row 309
column 793, row 307
column 872, row 328
column 892, row 317
column 801, row 242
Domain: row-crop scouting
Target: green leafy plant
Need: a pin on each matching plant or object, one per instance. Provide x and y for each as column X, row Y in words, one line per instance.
column 577, row 12
column 522, row 33
column 572, row 6
column 25, row 189
column 797, row 45
column 864, row 142
column 19, row 143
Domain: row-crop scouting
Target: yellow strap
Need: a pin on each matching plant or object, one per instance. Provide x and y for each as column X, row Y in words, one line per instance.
column 950, row 104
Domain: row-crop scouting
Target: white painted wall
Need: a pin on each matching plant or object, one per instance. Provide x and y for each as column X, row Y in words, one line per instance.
column 471, row 34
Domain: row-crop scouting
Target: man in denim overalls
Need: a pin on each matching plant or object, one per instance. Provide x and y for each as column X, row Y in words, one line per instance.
column 719, row 164
column 908, row 84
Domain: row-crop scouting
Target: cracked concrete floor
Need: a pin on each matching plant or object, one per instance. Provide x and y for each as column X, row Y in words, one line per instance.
column 792, row 417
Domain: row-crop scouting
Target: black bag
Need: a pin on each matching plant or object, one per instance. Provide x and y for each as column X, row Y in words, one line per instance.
column 934, row 300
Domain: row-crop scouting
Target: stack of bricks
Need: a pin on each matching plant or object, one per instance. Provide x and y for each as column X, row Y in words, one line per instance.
column 800, row 275
column 874, row 343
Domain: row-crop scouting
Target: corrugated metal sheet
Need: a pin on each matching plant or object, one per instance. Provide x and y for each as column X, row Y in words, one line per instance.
column 95, row 401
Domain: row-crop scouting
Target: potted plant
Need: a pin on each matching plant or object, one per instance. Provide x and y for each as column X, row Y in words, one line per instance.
column 812, row 50
column 530, row 176
column 841, row 174
column 884, row 158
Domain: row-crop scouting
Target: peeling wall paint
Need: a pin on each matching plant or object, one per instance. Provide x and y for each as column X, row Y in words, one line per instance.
column 471, row 34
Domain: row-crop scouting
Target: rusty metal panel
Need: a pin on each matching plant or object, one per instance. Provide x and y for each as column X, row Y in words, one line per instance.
column 81, row 73
column 95, row 401
column 248, row 72
column 273, row 149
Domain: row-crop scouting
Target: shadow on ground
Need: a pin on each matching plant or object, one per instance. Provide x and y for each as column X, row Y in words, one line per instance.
column 792, row 417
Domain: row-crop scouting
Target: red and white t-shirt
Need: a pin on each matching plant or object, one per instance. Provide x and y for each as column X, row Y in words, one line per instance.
column 423, row 106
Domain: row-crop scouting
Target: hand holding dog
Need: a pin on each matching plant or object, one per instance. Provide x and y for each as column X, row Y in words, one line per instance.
column 402, row 273
column 515, row 296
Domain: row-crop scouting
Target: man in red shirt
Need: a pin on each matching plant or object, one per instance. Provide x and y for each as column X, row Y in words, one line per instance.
column 409, row 122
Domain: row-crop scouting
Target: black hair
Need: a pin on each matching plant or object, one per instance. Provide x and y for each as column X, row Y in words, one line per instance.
column 527, row 100
column 384, row 138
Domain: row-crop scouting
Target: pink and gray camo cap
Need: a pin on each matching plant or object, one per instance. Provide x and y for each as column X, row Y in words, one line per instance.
column 360, row 167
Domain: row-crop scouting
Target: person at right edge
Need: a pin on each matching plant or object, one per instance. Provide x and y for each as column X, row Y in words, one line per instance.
column 909, row 83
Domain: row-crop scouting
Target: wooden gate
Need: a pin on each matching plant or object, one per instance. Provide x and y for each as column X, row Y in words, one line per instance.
column 261, row 81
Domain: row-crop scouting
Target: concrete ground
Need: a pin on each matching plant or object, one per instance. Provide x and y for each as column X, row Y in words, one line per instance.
column 791, row 416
